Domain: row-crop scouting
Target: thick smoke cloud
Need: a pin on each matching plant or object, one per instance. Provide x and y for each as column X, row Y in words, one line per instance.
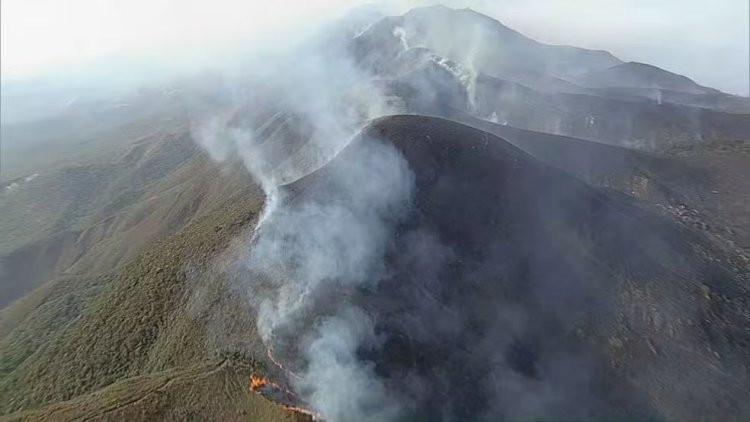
column 304, row 261
column 311, row 100
column 306, row 256
column 86, row 50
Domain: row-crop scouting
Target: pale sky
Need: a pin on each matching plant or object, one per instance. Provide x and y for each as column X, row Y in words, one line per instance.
column 706, row 40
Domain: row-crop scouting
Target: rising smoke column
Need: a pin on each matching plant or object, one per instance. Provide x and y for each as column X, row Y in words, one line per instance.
column 308, row 255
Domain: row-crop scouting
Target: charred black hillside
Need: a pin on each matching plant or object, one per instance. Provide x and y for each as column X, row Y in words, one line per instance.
column 516, row 291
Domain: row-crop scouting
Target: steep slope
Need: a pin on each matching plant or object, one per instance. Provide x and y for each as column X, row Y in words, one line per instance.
column 513, row 290
column 146, row 342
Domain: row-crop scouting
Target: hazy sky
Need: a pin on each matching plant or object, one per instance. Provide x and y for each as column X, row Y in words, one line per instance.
column 706, row 40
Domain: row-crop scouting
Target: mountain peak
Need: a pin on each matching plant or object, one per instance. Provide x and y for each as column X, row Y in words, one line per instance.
column 483, row 44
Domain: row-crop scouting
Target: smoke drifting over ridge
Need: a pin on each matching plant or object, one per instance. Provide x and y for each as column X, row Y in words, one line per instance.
column 300, row 112
column 404, row 282
column 303, row 106
column 314, row 269
column 307, row 258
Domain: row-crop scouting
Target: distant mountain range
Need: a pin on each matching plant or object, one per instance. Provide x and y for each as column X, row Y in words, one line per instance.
column 506, row 77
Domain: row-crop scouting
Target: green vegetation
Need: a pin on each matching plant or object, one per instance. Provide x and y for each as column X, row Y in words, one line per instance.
column 212, row 391
column 114, row 238
column 84, row 136
column 114, row 336
column 55, row 201
column 92, row 218
column 146, row 334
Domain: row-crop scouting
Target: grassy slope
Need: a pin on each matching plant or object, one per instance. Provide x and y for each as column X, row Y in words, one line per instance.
column 61, row 199
column 84, row 134
column 153, row 188
column 152, row 328
column 113, row 337
column 171, row 395
column 117, row 333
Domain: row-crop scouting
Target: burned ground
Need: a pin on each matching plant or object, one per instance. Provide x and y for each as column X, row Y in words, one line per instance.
column 516, row 290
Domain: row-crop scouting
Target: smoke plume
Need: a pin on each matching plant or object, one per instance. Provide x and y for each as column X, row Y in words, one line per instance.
column 306, row 256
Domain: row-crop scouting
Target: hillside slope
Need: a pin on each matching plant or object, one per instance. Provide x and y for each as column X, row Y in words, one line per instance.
column 94, row 217
column 171, row 395
column 516, row 291
column 591, row 282
column 76, row 336
column 483, row 43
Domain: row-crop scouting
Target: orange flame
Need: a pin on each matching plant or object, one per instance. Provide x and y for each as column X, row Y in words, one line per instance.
column 258, row 382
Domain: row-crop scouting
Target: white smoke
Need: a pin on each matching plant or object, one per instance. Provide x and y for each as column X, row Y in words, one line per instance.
column 305, row 250
column 308, row 252
column 467, row 77
column 339, row 385
column 460, row 60
column 400, row 33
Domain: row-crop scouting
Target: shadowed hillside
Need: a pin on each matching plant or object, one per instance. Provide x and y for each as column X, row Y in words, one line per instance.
column 147, row 333
column 511, row 284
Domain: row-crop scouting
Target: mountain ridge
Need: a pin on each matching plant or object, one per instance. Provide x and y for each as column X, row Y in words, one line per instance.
column 544, row 219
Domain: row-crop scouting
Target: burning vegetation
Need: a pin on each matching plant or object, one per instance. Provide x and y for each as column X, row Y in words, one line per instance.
column 275, row 392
